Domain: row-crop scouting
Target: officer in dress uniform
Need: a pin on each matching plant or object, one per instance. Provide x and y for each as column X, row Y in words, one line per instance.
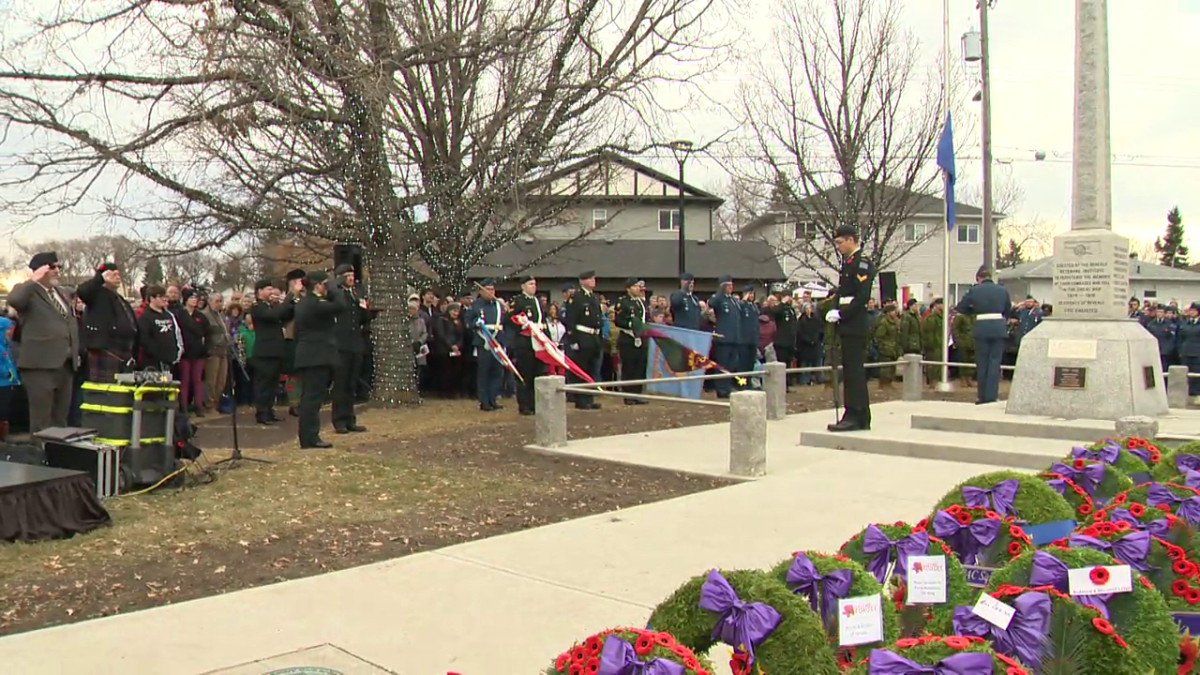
column 583, row 318
column 748, row 332
column 351, row 345
column 489, row 374
column 635, row 354
column 316, row 352
column 270, row 313
column 521, row 341
column 727, row 330
column 989, row 303
column 852, row 324
column 685, row 308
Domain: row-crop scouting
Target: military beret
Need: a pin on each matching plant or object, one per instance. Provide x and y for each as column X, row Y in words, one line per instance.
column 687, row 276
column 295, row 274
column 588, row 274
column 263, row 283
column 343, row 269
column 725, row 279
column 936, row 301
column 526, row 278
column 631, row 282
column 845, row 231
column 488, row 282
column 43, row 258
column 107, row 267
column 911, row 302
column 748, row 288
column 316, row 277
column 568, row 286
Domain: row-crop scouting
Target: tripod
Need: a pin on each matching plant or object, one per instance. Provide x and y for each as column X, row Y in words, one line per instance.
column 231, row 391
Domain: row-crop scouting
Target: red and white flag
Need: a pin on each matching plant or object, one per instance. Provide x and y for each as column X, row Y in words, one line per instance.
column 547, row 351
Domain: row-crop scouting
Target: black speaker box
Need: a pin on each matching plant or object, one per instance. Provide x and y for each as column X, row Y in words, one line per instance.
column 887, row 286
column 349, row 254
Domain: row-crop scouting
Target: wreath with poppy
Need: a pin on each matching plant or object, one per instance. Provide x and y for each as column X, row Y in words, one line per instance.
column 914, row 619
column 1140, row 494
column 862, row 583
column 1189, row 650
column 1010, row 542
column 1081, row 503
column 1134, row 455
column 1140, row 619
column 583, row 658
column 796, row 647
column 1176, row 461
column 1036, row 503
column 928, row 650
column 1112, row 483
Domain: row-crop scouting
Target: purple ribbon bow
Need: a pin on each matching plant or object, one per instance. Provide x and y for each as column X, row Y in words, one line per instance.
column 885, row 662
column 1026, row 633
column 1050, row 571
column 823, row 591
column 1188, row 509
column 999, row 497
column 1141, row 453
column 1088, row 477
column 1158, row 528
column 1131, row 549
column 968, row 541
column 619, row 658
column 1107, row 453
column 741, row 625
column 1191, row 478
column 1186, row 462
column 876, row 544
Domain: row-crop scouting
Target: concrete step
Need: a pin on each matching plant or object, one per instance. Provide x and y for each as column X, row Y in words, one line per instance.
column 1002, row 451
column 1077, row 431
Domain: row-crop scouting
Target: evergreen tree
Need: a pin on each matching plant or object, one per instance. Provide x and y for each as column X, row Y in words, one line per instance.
column 1169, row 247
column 154, row 272
column 1011, row 256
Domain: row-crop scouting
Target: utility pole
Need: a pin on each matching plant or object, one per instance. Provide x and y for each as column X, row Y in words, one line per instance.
column 989, row 226
column 681, row 150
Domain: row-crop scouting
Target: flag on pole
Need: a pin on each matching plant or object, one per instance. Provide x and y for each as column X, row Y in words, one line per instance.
column 493, row 346
column 945, row 161
column 547, row 351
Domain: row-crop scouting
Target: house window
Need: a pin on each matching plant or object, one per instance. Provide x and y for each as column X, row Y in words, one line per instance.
column 599, row 218
column 804, row 230
column 967, row 234
column 668, row 220
column 915, row 232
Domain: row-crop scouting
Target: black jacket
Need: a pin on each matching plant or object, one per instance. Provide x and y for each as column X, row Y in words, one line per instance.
column 194, row 330
column 160, row 338
column 108, row 322
column 316, row 330
column 446, row 334
column 268, row 327
column 351, row 320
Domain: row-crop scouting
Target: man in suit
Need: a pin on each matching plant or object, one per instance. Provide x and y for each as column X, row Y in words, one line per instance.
column 270, row 312
column 351, row 345
column 989, row 303
column 727, row 312
column 583, row 319
column 49, row 353
column 316, row 351
column 520, row 341
column 853, row 326
column 685, row 308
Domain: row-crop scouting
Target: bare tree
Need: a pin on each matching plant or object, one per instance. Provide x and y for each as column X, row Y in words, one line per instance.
column 81, row 256
column 1021, row 236
column 743, row 202
column 1143, row 250
column 340, row 120
column 846, row 126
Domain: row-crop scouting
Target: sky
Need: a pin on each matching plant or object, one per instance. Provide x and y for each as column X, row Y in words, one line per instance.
column 1154, row 94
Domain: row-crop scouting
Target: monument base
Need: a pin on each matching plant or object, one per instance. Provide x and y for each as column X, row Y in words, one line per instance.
column 1102, row 369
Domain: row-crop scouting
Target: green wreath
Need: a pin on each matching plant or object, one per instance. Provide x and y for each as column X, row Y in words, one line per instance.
column 1035, row 503
column 1141, row 619
column 913, row 620
column 1074, row 495
column 1176, row 462
column 1141, row 494
column 929, row 650
column 953, row 527
column 1162, row 524
column 797, row 646
column 641, row 645
column 861, row 584
column 1127, row 454
column 1112, row 481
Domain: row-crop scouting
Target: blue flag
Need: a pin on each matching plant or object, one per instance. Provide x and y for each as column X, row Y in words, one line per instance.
column 945, row 161
column 657, row 366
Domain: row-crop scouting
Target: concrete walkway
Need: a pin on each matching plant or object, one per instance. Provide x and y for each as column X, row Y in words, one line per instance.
column 501, row 606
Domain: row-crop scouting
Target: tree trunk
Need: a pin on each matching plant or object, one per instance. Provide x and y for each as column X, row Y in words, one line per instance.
column 395, row 381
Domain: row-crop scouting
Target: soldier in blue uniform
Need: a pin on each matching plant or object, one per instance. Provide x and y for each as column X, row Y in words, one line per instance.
column 855, row 279
column 748, row 342
column 1163, row 330
column 990, row 305
column 1189, row 346
column 685, row 308
column 727, row 313
column 488, row 373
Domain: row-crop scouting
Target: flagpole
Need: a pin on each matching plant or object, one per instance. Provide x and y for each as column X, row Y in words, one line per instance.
column 945, row 383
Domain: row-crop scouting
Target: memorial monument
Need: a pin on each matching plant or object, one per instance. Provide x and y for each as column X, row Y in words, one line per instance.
column 1089, row 361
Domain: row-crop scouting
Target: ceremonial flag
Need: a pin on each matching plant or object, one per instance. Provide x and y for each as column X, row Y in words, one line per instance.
column 945, row 161
column 677, row 352
column 497, row 350
column 546, row 351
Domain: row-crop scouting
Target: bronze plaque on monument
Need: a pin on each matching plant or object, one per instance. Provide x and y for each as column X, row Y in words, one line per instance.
column 1070, row 377
column 1148, row 377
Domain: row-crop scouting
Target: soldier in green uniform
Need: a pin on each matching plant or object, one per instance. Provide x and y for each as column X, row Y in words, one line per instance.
column 964, row 342
column 885, row 335
column 316, row 352
column 910, row 328
column 352, row 321
column 295, row 291
column 583, row 319
column 520, row 341
column 634, row 352
column 931, row 340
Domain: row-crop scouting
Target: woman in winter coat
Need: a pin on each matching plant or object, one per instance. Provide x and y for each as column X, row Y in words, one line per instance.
column 810, row 333
column 194, row 329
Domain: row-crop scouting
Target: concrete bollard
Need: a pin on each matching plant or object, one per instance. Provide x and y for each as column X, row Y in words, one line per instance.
column 775, row 387
column 1140, row 426
column 1177, row 387
column 550, row 402
column 914, row 377
column 748, row 433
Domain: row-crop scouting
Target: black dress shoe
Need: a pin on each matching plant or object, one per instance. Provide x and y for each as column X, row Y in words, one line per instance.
column 497, row 406
column 318, row 445
column 264, row 421
column 341, row 430
column 488, row 408
column 844, row 425
column 356, row 428
column 293, row 412
column 527, row 412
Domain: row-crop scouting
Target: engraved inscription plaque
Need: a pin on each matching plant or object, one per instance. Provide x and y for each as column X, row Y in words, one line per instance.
column 1070, row 377
column 1149, row 378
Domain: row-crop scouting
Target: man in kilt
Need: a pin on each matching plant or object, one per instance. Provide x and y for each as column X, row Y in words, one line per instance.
column 109, row 325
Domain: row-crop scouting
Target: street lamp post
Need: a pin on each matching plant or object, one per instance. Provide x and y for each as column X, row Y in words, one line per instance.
column 989, row 226
column 681, row 149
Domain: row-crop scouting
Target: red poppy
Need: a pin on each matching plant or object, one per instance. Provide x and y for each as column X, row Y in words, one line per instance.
column 1091, row 531
column 1131, row 443
column 1180, row 587
column 1016, row 532
column 575, row 669
column 1015, row 670
column 907, row 643
column 594, row 645
column 1155, row 456
column 1099, row 575
column 1122, row 526
column 561, row 662
column 690, row 663
column 1180, row 567
column 1010, row 519
column 841, row 558
column 1120, row 642
column 1102, row 625
column 1014, row 548
column 681, row 651
column 919, row 528
column 1193, row 596
column 1080, row 465
column 579, row 654
column 900, row 523
column 644, row 645
column 963, row 517
column 1173, row 551
column 1188, row 651
column 1085, row 508
column 953, row 509
column 1107, row 529
column 1120, row 499
column 1164, row 506
column 592, row 666
column 1146, row 583
column 956, row 643
column 1100, row 515
column 974, row 639
column 664, row 639
column 1137, row 510
column 1078, row 490
column 992, row 515
column 924, row 522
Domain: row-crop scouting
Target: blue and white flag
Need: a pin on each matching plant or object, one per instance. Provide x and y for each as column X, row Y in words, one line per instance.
column 657, row 366
column 945, row 161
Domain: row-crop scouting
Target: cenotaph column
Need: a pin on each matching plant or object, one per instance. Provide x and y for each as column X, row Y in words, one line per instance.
column 1089, row 361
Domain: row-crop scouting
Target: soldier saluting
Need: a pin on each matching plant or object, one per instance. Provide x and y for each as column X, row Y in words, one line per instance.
column 852, row 324
column 685, row 308
column 583, row 317
column 634, row 353
column 521, row 341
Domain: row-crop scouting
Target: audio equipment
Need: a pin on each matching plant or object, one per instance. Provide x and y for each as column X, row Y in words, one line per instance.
column 887, row 286
column 349, row 254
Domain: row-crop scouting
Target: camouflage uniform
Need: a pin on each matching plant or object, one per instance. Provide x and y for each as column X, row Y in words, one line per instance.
column 910, row 333
column 885, row 335
column 964, row 341
column 931, row 343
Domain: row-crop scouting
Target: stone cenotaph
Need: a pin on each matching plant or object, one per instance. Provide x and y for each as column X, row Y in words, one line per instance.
column 1089, row 361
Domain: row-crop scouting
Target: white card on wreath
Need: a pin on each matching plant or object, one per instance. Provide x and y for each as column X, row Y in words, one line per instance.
column 926, row 580
column 860, row 620
column 1115, row 579
column 993, row 611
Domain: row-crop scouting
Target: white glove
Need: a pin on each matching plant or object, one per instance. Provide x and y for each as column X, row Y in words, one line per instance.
column 833, row 316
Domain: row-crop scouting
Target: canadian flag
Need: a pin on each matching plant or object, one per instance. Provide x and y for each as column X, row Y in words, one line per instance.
column 545, row 349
